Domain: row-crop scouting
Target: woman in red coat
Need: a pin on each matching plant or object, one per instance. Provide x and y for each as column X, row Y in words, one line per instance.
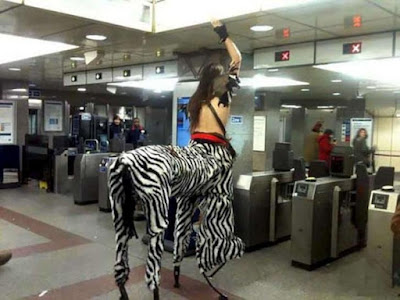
column 325, row 145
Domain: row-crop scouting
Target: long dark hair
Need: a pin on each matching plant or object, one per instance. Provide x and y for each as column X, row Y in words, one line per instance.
column 203, row 93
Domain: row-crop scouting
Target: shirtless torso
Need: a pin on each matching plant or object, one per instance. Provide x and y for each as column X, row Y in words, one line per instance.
column 207, row 121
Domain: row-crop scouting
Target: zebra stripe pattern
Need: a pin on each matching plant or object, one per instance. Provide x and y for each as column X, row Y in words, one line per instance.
column 197, row 175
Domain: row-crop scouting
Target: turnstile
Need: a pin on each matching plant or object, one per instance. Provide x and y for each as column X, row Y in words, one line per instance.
column 383, row 249
column 323, row 226
column 262, row 207
column 64, row 171
column 86, row 181
column 104, row 171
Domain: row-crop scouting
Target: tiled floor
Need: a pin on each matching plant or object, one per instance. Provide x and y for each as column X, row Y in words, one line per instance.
column 64, row 251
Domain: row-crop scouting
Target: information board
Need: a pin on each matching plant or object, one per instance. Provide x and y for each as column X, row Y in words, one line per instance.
column 356, row 124
column 53, row 116
column 259, row 133
column 7, row 122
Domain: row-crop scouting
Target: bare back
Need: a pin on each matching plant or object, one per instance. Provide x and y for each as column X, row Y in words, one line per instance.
column 207, row 121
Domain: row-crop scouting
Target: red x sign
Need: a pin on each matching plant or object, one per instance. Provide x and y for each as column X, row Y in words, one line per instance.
column 282, row 55
column 352, row 48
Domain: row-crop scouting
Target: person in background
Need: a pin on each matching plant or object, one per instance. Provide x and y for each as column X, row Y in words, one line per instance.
column 361, row 150
column 311, row 145
column 116, row 128
column 5, row 257
column 326, row 144
column 137, row 134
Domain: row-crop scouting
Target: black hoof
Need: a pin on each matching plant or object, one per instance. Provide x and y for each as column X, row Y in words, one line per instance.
column 223, row 297
column 124, row 294
column 177, row 272
column 156, row 294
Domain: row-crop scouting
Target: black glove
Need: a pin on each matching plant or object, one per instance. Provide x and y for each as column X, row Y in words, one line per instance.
column 222, row 33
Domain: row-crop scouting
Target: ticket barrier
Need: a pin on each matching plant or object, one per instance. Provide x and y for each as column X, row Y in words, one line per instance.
column 64, row 170
column 262, row 201
column 104, row 171
column 383, row 250
column 86, row 182
column 328, row 213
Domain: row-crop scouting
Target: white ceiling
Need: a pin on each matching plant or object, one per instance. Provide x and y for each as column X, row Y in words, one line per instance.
column 322, row 19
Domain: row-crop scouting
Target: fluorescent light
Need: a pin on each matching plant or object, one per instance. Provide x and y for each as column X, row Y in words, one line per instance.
column 35, row 102
column 305, row 90
column 15, row 48
column 19, row 90
column 158, row 91
column 14, row 69
column 77, row 58
column 17, row 97
column 273, row 70
column 165, row 84
column 259, row 81
column 371, row 87
column 81, row 108
column 96, row 37
column 81, row 89
column 380, row 70
column 111, row 89
column 336, row 80
column 261, row 28
column 290, row 106
column 336, row 94
column 274, row 4
column 325, row 107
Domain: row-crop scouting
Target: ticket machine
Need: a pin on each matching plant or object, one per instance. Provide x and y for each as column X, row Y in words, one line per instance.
column 262, row 200
column 383, row 249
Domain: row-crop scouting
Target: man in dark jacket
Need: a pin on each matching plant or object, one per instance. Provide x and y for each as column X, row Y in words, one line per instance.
column 361, row 150
column 116, row 128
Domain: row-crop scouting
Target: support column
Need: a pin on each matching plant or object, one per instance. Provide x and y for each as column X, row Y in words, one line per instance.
column 298, row 131
column 242, row 134
column 271, row 110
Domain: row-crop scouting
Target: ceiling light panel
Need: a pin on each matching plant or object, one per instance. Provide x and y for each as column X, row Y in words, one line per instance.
column 198, row 12
column 135, row 14
column 260, row 81
column 96, row 37
column 15, row 48
column 381, row 70
column 165, row 84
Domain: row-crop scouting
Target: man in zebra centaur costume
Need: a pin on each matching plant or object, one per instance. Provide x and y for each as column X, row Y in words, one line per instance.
column 199, row 175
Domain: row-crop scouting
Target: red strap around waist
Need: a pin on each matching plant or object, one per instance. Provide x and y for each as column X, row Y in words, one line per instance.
column 208, row 137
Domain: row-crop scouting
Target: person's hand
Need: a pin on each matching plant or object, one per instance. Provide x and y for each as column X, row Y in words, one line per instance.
column 216, row 23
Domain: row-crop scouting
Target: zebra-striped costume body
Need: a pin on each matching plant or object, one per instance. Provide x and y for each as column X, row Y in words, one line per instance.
column 153, row 174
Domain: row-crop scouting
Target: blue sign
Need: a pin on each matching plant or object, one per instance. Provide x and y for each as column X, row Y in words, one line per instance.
column 238, row 120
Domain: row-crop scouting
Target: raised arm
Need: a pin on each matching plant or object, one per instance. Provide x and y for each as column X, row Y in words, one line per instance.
column 233, row 51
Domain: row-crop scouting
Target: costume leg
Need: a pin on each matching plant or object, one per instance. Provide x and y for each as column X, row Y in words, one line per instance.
column 216, row 243
column 183, row 229
column 156, row 211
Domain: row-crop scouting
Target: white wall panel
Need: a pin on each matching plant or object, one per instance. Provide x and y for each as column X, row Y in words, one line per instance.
column 373, row 46
column 300, row 54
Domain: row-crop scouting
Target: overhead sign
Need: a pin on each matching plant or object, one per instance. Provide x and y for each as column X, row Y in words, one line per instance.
column 352, row 48
column 71, row 79
column 282, row 55
column 293, row 55
column 99, row 76
column 34, row 93
column 372, row 46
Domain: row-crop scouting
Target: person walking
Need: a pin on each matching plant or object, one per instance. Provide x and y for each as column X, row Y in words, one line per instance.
column 311, row 145
column 361, row 150
column 326, row 144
